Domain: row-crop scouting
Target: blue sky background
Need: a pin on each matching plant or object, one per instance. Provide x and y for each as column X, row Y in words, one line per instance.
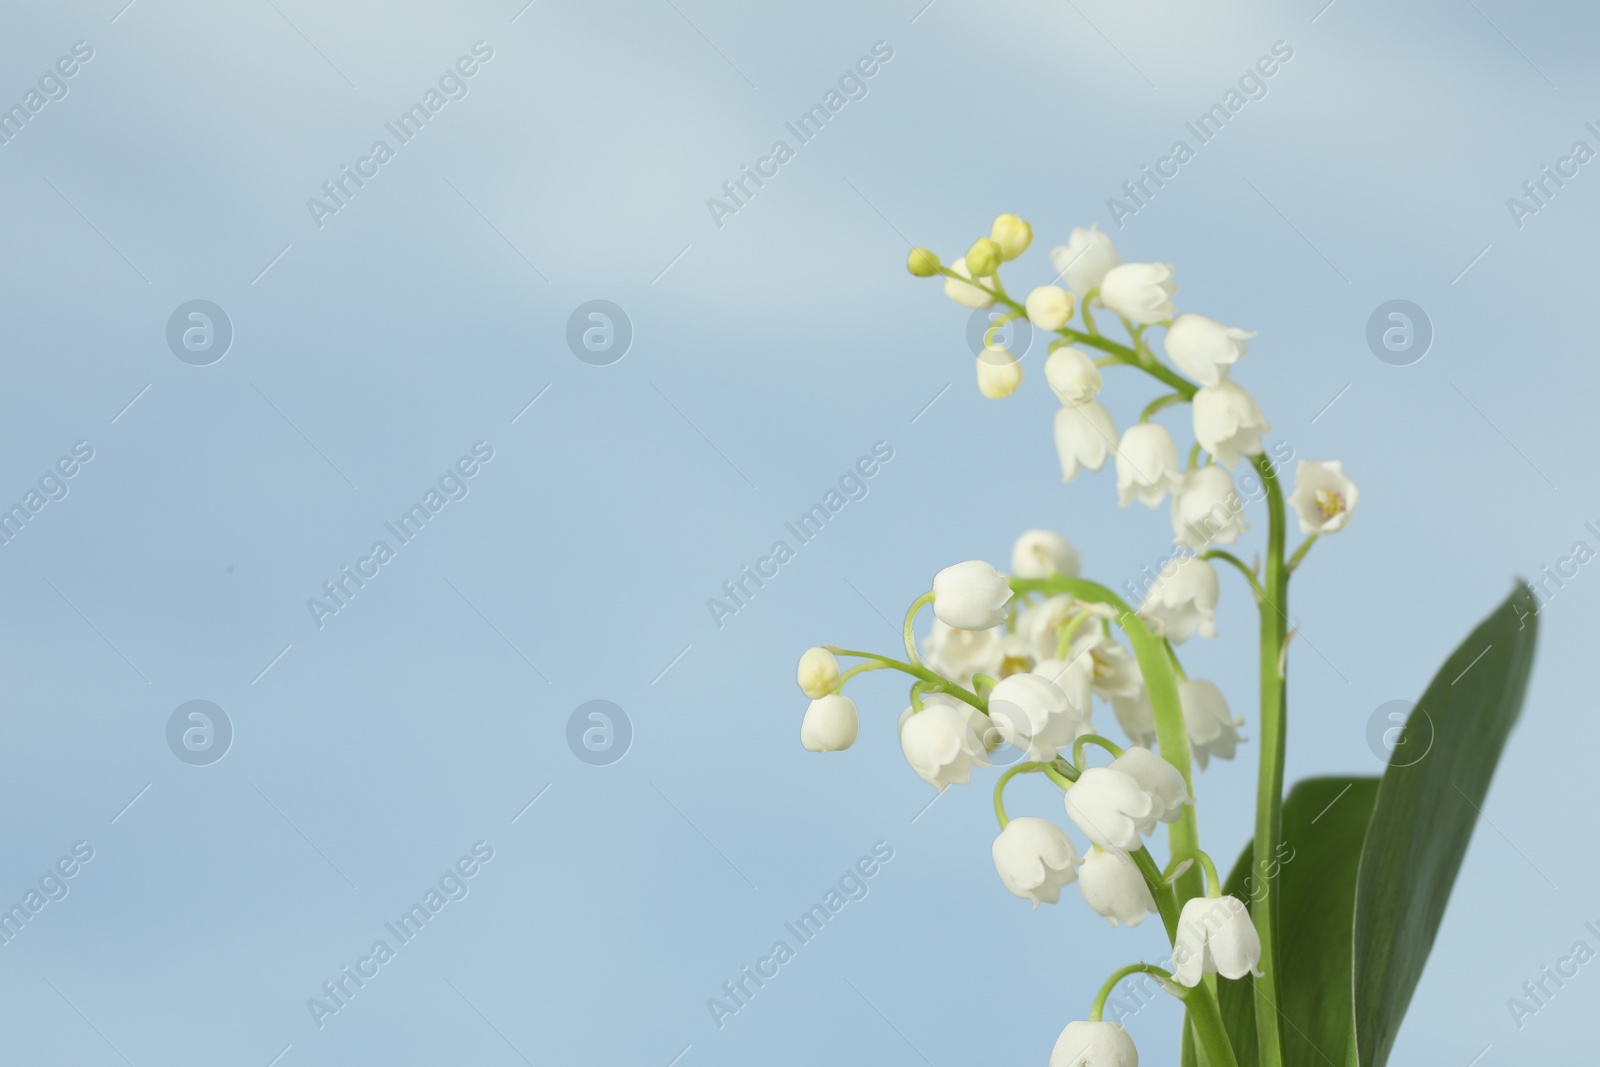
column 369, row 354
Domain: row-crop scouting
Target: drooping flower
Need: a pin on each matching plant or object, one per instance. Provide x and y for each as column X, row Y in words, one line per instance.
column 1323, row 497
column 1205, row 349
column 1072, row 375
column 1035, row 858
column 1094, row 1044
column 1155, row 776
column 1085, row 435
column 964, row 294
column 830, row 724
column 1183, row 599
column 1213, row 731
column 1043, row 554
column 1043, row 622
column 1147, row 465
column 1140, row 292
column 1207, row 509
column 1116, row 671
column 1085, row 258
column 960, row 654
column 941, row 745
column 1032, row 713
column 1215, row 936
column 818, row 673
column 1049, row 307
column 1136, row 716
column 970, row 595
column 1111, row 885
column 999, row 372
column 1112, row 808
column 1073, row 678
column 1228, row 422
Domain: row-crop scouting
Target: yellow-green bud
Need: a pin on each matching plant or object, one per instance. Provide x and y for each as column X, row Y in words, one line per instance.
column 983, row 258
column 1012, row 234
column 922, row 262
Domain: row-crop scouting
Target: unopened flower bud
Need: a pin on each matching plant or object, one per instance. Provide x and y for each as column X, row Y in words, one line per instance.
column 818, row 673
column 922, row 262
column 830, row 724
column 1049, row 307
column 1012, row 234
column 999, row 372
column 984, row 257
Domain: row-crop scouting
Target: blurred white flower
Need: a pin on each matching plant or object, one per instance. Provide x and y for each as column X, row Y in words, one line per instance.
column 818, row 673
column 1113, row 886
column 941, row 745
column 1206, row 509
column 1205, row 349
column 959, row 654
column 1213, row 731
column 1043, row 554
column 1049, row 307
column 970, row 595
column 1184, row 599
column 999, row 372
column 964, row 294
column 1136, row 717
column 1323, row 497
column 1228, row 423
column 1147, row 465
column 1085, row 435
column 1072, row 375
column 1116, row 671
column 1140, row 292
column 830, row 724
column 1085, row 258
column 1073, row 678
column 1035, row 858
column 1215, row 936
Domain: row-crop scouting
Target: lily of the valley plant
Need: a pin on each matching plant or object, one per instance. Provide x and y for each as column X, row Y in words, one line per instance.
column 1014, row 663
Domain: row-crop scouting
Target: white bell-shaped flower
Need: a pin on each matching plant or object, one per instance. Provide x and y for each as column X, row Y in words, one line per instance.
column 1111, row 885
column 1049, row 307
column 830, row 724
column 1207, row 509
column 1205, row 349
column 1156, row 776
column 1215, row 936
column 1183, row 599
column 971, row 595
column 1035, row 858
column 1212, row 729
column 1147, row 465
column 1071, row 374
column 1043, row 554
column 1228, row 422
column 1323, row 497
column 1112, row 808
column 999, row 372
column 1136, row 716
column 1140, row 292
column 1033, row 714
column 1094, row 1044
column 941, row 745
column 818, row 673
column 1085, row 436
column 1073, row 678
column 964, row 294
column 960, row 654
column 1085, row 258
column 1115, row 670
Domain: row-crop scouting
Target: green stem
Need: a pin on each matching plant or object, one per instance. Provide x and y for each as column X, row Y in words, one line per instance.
column 1204, row 859
column 1088, row 318
column 1099, row 1005
column 1000, row 787
column 1269, row 782
column 1069, row 630
column 944, row 685
column 1209, row 1032
column 983, row 681
column 1249, row 575
column 1300, row 553
column 1092, row 739
column 1052, row 772
column 1158, row 403
column 859, row 668
column 1163, row 894
column 911, row 617
column 1162, row 685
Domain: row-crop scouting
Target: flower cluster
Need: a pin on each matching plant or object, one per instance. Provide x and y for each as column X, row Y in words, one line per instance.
column 1020, row 659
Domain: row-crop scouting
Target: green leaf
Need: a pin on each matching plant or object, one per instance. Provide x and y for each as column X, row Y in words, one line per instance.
column 1324, row 824
column 1425, row 811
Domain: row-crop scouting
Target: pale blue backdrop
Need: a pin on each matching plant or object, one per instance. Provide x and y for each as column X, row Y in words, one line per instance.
column 374, row 346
